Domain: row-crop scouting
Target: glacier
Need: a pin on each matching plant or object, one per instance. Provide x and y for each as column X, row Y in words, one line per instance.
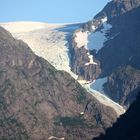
column 51, row 41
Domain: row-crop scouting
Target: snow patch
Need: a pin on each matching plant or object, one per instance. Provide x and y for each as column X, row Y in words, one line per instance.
column 93, row 28
column 53, row 137
column 82, row 113
column 81, row 38
column 97, row 39
column 91, row 60
column 104, row 19
column 98, row 84
column 84, row 82
column 93, row 40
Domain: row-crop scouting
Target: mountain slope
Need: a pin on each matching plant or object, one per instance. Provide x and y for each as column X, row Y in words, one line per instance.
column 111, row 45
column 121, row 54
column 53, row 43
column 127, row 127
column 39, row 102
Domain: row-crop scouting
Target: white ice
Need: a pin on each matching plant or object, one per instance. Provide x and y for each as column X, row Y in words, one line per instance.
column 98, row 84
column 102, row 98
column 90, row 60
column 97, row 39
column 104, row 19
column 46, row 40
column 81, row 38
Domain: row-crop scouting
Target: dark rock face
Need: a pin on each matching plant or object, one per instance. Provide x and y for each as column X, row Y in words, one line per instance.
column 78, row 61
column 117, row 12
column 119, row 52
column 128, row 125
column 124, row 47
column 123, row 85
column 117, row 8
column 37, row 101
column 113, row 9
column 119, row 58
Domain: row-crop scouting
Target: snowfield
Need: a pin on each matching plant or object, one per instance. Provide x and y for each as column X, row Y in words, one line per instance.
column 81, row 39
column 93, row 40
column 97, row 39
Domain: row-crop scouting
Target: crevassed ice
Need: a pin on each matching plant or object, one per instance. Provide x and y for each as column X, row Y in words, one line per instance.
column 46, row 40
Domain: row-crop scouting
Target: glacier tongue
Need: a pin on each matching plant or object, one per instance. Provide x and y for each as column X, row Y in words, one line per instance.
column 106, row 101
column 46, row 40
column 102, row 98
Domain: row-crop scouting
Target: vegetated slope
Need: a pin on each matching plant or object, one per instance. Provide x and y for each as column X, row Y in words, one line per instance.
column 127, row 127
column 39, row 102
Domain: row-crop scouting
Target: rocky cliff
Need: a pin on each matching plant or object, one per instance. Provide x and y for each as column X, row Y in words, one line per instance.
column 117, row 8
column 123, row 85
